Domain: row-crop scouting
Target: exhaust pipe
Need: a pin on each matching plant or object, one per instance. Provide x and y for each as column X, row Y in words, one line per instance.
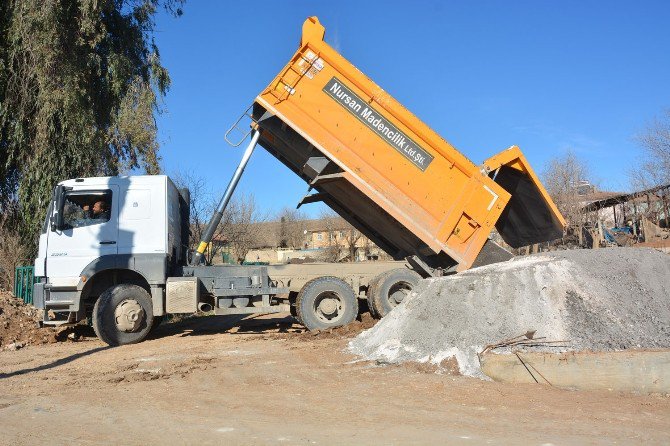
column 204, row 307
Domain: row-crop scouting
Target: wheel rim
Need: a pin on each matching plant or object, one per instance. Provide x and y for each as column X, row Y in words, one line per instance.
column 129, row 316
column 398, row 292
column 328, row 307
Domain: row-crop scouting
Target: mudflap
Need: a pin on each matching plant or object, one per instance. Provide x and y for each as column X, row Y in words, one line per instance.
column 528, row 217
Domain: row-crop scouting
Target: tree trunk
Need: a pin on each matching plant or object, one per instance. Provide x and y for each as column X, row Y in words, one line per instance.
column 581, row 235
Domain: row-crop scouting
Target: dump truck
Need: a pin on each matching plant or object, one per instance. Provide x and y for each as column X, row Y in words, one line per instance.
column 115, row 249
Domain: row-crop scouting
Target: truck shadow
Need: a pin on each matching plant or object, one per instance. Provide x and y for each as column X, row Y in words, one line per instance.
column 56, row 363
column 234, row 325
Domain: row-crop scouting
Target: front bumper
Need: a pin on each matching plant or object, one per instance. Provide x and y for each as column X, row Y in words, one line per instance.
column 45, row 297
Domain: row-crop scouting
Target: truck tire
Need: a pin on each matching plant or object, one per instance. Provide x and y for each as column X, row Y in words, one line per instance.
column 123, row 314
column 371, row 286
column 389, row 289
column 326, row 302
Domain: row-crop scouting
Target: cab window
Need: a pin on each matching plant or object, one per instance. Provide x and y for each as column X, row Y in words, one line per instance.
column 86, row 208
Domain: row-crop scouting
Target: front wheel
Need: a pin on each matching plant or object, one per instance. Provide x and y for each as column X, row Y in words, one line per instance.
column 326, row 302
column 123, row 314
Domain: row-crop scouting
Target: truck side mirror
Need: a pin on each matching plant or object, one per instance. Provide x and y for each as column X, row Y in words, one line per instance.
column 59, row 198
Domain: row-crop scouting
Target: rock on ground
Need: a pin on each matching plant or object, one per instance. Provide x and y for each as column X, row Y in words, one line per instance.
column 597, row 300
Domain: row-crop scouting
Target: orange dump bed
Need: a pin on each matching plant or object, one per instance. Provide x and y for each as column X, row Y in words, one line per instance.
column 387, row 172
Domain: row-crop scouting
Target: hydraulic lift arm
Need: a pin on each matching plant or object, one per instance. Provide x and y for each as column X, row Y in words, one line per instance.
column 216, row 217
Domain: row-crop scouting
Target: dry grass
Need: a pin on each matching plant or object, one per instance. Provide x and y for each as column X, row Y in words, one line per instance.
column 12, row 252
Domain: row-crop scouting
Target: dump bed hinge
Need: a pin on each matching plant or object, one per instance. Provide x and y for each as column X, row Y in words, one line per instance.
column 422, row 268
column 311, row 198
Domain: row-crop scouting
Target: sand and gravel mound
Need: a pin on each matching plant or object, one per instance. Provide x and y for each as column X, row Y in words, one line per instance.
column 595, row 300
column 18, row 324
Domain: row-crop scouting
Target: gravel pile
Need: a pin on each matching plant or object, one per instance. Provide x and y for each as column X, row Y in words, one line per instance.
column 597, row 300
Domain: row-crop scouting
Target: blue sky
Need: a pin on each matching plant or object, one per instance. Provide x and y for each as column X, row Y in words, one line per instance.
column 547, row 76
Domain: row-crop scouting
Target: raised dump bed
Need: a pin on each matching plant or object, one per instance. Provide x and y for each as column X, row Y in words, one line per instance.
column 388, row 173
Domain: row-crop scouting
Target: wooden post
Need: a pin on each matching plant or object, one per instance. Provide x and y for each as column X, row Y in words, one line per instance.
column 665, row 211
column 581, row 236
column 636, row 218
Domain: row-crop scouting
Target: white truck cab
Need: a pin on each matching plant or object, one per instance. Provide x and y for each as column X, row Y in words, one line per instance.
column 104, row 231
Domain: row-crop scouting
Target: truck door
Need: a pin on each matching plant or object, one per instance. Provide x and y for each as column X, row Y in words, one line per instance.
column 90, row 230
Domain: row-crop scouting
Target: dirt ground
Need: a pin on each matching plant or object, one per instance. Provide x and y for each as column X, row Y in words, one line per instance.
column 201, row 382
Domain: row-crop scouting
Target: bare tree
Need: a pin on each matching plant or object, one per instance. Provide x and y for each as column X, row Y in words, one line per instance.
column 562, row 177
column 342, row 236
column 351, row 237
column 13, row 252
column 291, row 233
column 654, row 167
column 240, row 226
column 201, row 200
column 331, row 222
column 236, row 233
column 566, row 178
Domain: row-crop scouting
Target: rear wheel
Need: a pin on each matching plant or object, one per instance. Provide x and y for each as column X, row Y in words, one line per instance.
column 368, row 294
column 389, row 289
column 123, row 314
column 326, row 302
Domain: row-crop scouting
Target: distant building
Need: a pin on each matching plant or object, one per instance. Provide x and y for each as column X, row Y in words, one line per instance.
column 644, row 215
column 314, row 239
column 604, row 218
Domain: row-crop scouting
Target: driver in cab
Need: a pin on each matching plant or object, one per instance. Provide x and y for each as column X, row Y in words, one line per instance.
column 99, row 211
